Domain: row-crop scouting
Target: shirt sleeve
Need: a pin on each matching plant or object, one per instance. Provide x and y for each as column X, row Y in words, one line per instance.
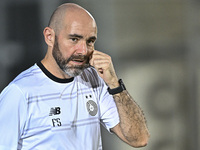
column 13, row 109
column 108, row 110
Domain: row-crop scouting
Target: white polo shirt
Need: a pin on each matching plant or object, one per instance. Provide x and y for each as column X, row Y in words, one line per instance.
column 41, row 112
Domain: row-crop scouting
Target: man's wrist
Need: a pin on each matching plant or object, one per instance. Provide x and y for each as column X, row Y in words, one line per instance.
column 118, row 89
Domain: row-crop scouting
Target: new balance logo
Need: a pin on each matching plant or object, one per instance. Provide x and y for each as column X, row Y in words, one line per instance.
column 54, row 111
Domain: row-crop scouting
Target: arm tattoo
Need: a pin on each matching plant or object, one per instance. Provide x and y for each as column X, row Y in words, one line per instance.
column 132, row 120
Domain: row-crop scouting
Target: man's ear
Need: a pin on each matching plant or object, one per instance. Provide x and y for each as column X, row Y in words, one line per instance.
column 49, row 36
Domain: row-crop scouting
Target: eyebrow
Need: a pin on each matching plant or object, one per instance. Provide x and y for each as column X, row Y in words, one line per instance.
column 80, row 36
column 93, row 38
column 75, row 35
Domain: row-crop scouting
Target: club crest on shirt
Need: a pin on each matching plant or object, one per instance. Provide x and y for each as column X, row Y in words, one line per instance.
column 91, row 106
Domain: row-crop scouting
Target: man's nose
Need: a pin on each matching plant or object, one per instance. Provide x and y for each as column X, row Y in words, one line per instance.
column 82, row 48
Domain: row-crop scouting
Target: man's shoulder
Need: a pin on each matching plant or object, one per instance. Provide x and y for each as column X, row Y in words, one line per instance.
column 27, row 76
column 24, row 81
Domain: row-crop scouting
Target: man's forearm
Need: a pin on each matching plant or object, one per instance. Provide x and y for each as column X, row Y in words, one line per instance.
column 132, row 121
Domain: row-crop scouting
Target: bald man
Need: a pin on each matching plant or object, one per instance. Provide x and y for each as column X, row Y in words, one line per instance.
column 59, row 103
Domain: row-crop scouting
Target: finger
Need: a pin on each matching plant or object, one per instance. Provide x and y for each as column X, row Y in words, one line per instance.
column 100, row 61
column 98, row 53
column 95, row 56
column 101, row 64
column 101, row 56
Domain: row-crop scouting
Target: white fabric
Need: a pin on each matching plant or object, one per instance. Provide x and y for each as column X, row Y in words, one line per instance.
column 37, row 113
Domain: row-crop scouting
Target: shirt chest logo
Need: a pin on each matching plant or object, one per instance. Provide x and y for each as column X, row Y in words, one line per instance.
column 54, row 111
column 91, row 105
column 55, row 120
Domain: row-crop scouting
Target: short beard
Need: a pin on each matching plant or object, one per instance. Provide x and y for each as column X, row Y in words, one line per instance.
column 71, row 71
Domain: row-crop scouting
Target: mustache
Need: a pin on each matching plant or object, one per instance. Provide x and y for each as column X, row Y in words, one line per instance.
column 81, row 57
column 85, row 58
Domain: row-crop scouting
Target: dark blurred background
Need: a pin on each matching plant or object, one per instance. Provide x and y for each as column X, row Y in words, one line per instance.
column 155, row 49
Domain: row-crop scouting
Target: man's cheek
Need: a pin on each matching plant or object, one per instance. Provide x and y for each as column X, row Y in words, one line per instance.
column 91, row 55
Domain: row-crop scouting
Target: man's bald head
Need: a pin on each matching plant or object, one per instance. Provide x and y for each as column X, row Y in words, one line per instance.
column 57, row 19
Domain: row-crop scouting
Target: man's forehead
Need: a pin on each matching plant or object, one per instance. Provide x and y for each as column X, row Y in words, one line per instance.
column 87, row 24
column 81, row 28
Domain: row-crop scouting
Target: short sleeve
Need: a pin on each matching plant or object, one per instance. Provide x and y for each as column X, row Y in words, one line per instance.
column 108, row 110
column 13, row 109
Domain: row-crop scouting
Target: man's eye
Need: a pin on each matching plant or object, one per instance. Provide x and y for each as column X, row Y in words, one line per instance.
column 90, row 42
column 74, row 39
